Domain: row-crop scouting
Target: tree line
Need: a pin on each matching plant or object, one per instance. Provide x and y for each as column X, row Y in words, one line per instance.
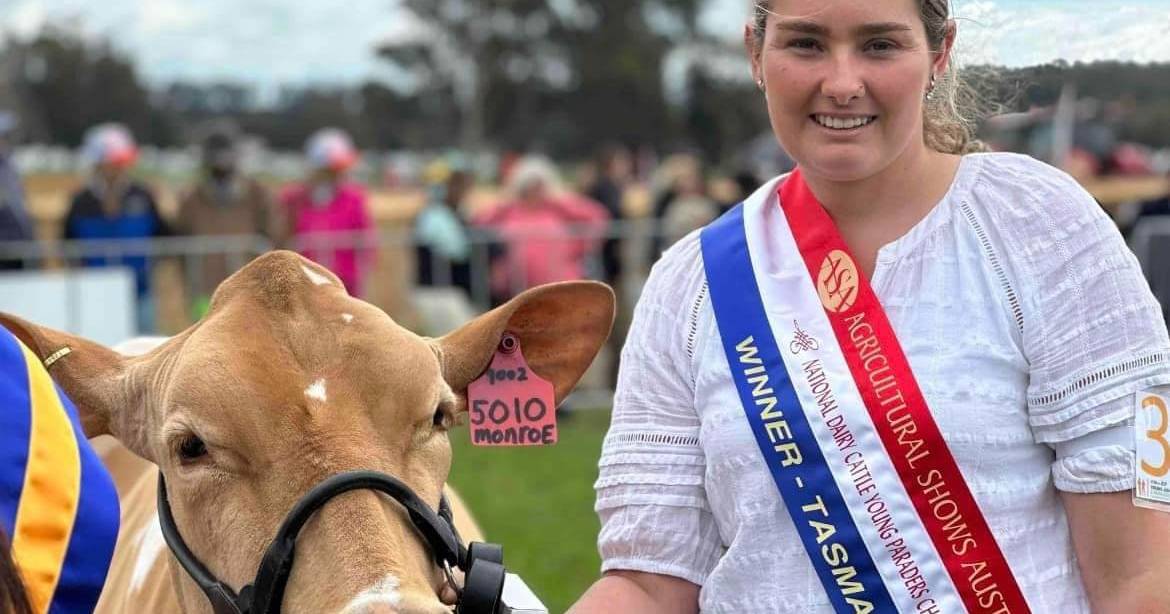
column 504, row 74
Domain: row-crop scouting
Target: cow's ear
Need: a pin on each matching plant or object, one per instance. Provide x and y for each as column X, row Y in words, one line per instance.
column 560, row 326
column 94, row 377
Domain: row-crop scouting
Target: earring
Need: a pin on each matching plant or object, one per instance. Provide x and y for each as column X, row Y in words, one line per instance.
column 930, row 88
column 760, row 84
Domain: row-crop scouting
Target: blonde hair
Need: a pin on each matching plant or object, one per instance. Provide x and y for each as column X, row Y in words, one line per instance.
column 950, row 114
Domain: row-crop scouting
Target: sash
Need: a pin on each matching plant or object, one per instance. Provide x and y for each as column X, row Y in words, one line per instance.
column 58, row 505
column 928, row 546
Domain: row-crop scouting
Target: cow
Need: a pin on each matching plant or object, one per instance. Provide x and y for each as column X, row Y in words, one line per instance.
column 286, row 382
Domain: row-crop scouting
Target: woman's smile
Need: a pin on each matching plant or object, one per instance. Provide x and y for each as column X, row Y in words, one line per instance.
column 843, row 124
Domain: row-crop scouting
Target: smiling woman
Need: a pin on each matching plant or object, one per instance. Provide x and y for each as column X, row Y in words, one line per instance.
column 950, row 105
column 900, row 379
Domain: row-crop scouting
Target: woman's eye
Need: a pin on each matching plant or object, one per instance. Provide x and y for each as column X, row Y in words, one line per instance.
column 804, row 44
column 192, row 448
column 881, row 46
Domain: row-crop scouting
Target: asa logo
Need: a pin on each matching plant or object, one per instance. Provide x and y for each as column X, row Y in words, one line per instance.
column 838, row 282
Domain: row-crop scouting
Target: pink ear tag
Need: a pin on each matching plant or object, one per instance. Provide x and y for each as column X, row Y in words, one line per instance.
column 510, row 405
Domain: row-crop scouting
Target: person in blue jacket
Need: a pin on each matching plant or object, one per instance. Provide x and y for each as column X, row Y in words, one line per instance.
column 113, row 206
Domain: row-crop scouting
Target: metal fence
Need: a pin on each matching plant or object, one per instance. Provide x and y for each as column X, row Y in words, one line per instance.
column 635, row 237
column 386, row 261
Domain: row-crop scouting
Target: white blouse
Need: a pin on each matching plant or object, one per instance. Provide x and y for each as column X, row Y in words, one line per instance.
column 1029, row 328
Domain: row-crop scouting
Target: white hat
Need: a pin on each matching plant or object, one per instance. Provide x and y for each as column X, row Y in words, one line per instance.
column 531, row 171
column 332, row 149
column 109, row 144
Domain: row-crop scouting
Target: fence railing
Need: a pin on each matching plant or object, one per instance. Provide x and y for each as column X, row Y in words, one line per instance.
column 484, row 247
column 386, row 261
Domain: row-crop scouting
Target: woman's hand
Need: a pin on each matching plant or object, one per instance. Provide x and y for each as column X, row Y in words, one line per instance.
column 1124, row 552
column 635, row 591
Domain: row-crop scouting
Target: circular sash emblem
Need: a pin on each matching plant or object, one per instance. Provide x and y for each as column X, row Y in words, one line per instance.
column 837, row 282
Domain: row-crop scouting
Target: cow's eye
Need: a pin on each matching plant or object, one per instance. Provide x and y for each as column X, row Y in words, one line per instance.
column 441, row 419
column 192, row 448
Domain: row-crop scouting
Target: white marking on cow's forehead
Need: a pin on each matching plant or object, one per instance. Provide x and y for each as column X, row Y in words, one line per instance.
column 315, row 277
column 348, row 317
column 316, row 390
column 384, row 592
column 150, row 546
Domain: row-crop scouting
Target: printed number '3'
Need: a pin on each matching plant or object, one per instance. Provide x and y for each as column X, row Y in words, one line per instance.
column 1158, row 435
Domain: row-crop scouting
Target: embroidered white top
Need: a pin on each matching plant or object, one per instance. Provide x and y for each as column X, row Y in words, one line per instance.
column 1029, row 328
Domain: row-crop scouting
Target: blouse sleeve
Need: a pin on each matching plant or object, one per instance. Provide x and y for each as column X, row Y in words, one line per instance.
column 1093, row 333
column 650, row 490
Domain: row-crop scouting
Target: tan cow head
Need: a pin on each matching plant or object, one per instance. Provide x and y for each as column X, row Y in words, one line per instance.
column 289, row 380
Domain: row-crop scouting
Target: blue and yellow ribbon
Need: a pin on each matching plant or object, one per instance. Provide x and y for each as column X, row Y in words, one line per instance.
column 58, row 504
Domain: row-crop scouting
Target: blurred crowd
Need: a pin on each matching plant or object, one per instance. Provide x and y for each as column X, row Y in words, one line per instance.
column 536, row 227
column 113, row 205
column 618, row 212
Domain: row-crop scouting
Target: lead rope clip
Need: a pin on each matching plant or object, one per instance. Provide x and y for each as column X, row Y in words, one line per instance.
column 451, row 580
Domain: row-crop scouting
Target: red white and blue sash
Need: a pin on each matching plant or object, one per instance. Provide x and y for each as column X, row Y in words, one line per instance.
column 877, row 499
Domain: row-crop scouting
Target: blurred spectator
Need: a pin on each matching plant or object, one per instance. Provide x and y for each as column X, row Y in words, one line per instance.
column 224, row 202
column 1149, row 234
column 112, row 205
column 746, row 182
column 15, row 224
column 547, row 231
column 443, row 246
column 614, row 166
column 682, row 204
column 1131, row 160
column 328, row 214
column 1157, row 206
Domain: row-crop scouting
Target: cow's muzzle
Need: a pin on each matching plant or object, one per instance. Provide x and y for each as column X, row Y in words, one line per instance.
column 482, row 564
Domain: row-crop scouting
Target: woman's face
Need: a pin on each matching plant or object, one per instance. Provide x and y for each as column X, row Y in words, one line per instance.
column 845, row 82
column 534, row 193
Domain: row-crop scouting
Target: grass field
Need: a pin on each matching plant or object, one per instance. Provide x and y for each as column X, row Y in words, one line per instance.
column 538, row 503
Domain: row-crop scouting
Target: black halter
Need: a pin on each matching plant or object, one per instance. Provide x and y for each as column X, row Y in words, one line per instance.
column 482, row 563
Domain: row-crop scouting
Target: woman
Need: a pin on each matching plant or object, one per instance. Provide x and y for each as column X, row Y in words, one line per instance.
column 1005, row 312
column 443, row 252
column 114, row 206
column 328, row 214
column 548, row 232
column 684, row 203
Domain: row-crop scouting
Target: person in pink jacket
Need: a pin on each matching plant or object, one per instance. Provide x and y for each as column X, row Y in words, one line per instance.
column 548, row 233
column 328, row 214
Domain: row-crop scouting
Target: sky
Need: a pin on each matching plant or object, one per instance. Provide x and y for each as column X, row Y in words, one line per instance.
column 273, row 42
